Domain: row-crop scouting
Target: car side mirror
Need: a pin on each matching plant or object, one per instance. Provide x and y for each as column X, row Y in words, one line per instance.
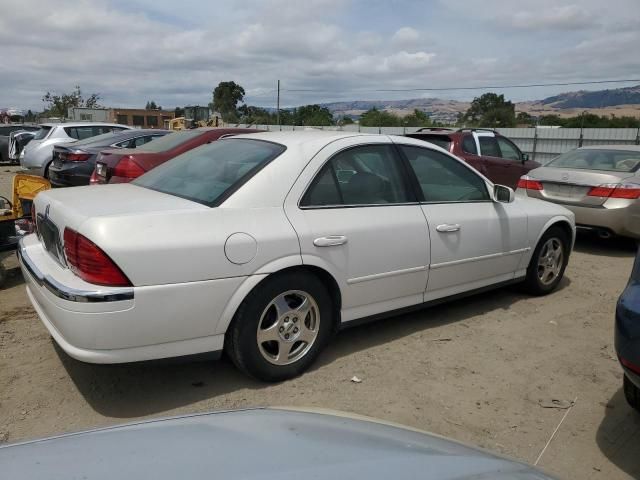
column 503, row 194
column 525, row 157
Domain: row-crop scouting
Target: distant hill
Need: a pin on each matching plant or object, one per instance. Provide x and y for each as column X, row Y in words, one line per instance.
column 597, row 99
column 618, row 101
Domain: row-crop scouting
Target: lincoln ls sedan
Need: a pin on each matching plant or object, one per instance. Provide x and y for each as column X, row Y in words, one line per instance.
column 264, row 245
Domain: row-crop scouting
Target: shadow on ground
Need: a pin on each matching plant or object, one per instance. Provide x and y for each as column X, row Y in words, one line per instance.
column 14, row 278
column 618, row 436
column 587, row 242
column 134, row 390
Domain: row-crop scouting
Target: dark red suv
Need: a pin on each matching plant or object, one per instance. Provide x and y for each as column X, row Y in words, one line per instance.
column 493, row 155
column 125, row 164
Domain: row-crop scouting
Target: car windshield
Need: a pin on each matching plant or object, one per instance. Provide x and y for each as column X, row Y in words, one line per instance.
column 598, row 159
column 170, row 141
column 207, row 174
column 42, row 133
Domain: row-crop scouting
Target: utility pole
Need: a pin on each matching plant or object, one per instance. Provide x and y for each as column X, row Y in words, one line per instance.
column 278, row 106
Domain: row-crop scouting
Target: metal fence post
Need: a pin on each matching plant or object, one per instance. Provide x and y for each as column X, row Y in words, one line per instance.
column 638, row 136
column 535, row 142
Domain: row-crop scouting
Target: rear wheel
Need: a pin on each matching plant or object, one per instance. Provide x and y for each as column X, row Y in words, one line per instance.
column 548, row 262
column 281, row 327
column 631, row 393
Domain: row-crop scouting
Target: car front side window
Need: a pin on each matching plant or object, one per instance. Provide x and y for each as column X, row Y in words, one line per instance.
column 359, row 176
column 444, row 179
column 508, row 150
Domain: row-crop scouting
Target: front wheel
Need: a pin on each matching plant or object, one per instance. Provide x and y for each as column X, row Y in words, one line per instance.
column 281, row 327
column 548, row 262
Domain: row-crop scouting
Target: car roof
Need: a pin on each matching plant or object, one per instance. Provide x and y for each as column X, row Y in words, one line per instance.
column 315, row 444
column 302, row 137
column 84, row 124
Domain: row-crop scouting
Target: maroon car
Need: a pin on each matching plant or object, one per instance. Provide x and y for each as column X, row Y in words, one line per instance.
column 493, row 155
column 123, row 165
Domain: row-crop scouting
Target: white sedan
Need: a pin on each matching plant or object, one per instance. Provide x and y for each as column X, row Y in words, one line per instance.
column 264, row 245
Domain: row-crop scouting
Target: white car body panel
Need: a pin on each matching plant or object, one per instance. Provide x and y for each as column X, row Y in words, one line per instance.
column 37, row 154
column 191, row 266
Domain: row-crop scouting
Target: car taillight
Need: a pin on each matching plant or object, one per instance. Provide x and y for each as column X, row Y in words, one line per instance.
column 629, row 192
column 528, row 183
column 90, row 263
column 127, row 168
column 93, row 180
column 76, row 157
column 630, row 365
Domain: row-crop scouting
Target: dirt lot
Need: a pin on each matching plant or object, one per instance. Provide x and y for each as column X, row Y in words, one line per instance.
column 476, row 370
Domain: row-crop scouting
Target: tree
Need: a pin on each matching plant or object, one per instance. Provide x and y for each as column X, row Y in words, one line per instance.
column 313, row 115
column 58, row 105
column 256, row 115
column 490, row 110
column 151, row 106
column 523, row 118
column 179, row 112
column 379, row 118
column 417, row 119
column 30, row 116
column 225, row 100
column 344, row 120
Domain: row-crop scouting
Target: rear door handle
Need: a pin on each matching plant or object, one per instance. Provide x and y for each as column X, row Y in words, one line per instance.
column 448, row 227
column 330, row 241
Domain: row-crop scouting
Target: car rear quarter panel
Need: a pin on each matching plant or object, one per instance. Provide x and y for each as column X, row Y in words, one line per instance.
column 187, row 246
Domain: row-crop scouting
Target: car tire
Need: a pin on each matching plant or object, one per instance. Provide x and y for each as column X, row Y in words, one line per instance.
column 631, row 393
column 276, row 308
column 545, row 269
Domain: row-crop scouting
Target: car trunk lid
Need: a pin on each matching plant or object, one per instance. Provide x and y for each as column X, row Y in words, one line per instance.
column 564, row 185
column 71, row 207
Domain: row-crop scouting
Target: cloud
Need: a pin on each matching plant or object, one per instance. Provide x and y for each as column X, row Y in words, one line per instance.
column 405, row 37
column 132, row 51
column 566, row 17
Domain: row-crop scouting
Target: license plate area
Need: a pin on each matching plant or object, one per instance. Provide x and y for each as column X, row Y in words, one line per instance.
column 50, row 238
column 565, row 190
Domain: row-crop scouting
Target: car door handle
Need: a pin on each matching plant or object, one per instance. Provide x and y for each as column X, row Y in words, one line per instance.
column 448, row 227
column 330, row 241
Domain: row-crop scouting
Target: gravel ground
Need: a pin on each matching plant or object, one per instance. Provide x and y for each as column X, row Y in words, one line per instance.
column 480, row 370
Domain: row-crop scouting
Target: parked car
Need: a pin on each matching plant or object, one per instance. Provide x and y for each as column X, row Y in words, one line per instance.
column 121, row 166
column 266, row 244
column 627, row 335
column 5, row 131
column 38, row 154
column 257, row 444
column 19, row 139
column 492, row 154
column 74, row 163
column 600, row 185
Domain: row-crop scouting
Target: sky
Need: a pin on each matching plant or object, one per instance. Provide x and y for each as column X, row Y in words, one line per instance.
column 175, row 52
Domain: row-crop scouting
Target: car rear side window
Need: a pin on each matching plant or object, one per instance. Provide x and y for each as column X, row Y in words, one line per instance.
column 364, row 175
column 444, row 179
column 210, row 173
column 469, row 144
column 42, row 133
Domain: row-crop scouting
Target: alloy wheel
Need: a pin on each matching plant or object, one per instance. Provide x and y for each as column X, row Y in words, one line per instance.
column 550, row 261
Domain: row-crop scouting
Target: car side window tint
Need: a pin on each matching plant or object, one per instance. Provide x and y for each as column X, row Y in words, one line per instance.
column 365, row 175
column 443, row 178
column 489, row 146
column 508, row 150
column 469, row 144
column 324, row 190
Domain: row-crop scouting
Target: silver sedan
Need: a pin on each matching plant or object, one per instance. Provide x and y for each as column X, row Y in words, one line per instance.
column 600, row 184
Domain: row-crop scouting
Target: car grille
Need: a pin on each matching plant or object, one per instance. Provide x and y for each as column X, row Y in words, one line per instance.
column 50, row 237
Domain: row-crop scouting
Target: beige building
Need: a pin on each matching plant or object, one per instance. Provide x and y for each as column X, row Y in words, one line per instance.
column 134, row 117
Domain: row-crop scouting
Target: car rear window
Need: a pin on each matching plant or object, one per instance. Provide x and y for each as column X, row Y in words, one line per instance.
column 42, row 133
column 443, row 141
column 170, row 141
column 210, row 173
column 598, row 159
column 98, row 139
